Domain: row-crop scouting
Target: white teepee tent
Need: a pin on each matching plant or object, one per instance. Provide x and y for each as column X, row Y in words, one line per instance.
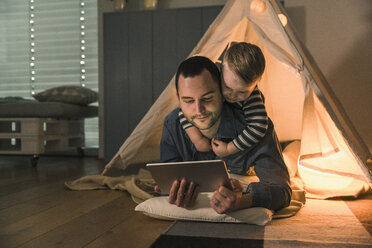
column 332, row 159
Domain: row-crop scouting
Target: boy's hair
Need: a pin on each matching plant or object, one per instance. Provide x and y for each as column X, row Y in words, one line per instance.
column 194, row 66
column 246, row 60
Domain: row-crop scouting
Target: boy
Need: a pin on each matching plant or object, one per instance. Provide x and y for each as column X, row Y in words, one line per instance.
column 242, row 69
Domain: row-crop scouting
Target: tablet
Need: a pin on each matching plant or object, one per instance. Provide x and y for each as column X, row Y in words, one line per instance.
column 208, row 174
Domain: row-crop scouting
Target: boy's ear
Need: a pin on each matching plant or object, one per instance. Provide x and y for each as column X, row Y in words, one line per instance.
column 259, row 79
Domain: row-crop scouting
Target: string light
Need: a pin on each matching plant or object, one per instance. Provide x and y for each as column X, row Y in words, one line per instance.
column 32, row 48
column 82, row 43
column 33, row 38
column 283, row 19
column 258, row 6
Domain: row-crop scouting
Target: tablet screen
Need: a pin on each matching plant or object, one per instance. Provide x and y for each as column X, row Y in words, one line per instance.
column 208, row 174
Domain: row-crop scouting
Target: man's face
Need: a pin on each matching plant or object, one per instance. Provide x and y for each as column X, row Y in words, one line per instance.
column 200, row 100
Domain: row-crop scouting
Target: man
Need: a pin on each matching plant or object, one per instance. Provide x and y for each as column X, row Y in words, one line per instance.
column 199, row 93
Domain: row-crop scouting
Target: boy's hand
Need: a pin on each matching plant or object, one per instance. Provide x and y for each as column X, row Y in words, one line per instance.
column 223, row 149
column 220, row 148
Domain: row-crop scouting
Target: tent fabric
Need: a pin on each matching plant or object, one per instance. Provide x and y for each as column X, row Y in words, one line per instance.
column 327, row 165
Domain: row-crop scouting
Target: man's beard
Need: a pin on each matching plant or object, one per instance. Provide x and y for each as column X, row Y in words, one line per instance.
column 213, row 118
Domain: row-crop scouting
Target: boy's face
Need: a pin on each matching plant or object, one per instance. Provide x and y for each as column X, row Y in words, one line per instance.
column 234, row 89
column 200, row 100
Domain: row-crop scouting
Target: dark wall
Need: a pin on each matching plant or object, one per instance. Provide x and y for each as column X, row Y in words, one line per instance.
column 142, row 50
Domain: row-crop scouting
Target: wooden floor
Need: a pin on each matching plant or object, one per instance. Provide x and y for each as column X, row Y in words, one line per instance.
column 37, row 210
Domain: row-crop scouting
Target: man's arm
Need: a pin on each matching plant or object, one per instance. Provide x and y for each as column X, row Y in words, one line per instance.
column 273, row 190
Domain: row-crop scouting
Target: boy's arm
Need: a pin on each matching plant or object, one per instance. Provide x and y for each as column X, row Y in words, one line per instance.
column 257, row 122
column 201, row 143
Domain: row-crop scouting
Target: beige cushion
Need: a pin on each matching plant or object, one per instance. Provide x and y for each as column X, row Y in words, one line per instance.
column 158, row 207
column 68, row 94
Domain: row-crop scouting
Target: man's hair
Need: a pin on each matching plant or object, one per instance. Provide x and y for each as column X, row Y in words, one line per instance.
column 194, row 66
column 246, row 60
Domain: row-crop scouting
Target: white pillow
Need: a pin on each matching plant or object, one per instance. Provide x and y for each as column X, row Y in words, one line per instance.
column 158, row 207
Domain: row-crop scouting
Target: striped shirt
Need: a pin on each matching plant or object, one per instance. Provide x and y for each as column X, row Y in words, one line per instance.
column 256, row 121
column 184, row 122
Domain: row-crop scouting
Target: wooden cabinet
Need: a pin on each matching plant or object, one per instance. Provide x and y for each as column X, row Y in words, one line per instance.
column 142, row 50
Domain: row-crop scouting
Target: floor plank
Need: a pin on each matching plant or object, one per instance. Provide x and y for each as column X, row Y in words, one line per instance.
column 37, row 210
column 17, row 171
column 36, row 205
column 137, row 231
column 47, row 178
column 87, row 227
column 43, row 222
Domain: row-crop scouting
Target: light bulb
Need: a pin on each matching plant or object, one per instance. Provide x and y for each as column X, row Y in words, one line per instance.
column 258, row 6
column 283, row 19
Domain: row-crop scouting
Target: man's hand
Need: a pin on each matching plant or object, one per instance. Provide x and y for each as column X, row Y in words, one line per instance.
column 225, row 200
column 183, row 193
